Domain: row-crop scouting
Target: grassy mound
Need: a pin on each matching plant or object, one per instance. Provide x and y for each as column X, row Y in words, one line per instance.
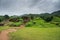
column 38, row 22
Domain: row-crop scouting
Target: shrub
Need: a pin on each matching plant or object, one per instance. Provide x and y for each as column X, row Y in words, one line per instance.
column 14, row 20
column 1, row 24
column 15, row 24
column 34, row 22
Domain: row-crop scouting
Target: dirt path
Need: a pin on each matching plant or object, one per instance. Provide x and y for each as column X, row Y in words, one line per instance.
column 4, row 33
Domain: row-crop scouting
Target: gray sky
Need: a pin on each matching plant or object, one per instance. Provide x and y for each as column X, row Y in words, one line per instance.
column 19, row 7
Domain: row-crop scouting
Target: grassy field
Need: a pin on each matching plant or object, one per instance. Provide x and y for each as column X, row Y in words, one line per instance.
column 31, row 33
column 3, row 28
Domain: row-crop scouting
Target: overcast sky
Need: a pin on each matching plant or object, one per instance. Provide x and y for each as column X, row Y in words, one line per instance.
column 19, row 7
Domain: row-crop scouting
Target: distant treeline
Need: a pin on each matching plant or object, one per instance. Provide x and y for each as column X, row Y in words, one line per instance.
column 45, row 16
column 53, row 18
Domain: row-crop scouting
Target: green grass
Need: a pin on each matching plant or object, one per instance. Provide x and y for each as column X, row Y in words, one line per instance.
column 31, row 33
column 40, row 23
column 3, row 28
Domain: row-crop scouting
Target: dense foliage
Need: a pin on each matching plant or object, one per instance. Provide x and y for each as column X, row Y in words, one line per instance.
column 32, row 19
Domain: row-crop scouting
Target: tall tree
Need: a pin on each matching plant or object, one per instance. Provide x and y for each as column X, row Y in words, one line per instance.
column 6, row 17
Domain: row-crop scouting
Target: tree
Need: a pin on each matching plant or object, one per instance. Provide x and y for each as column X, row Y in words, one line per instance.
column 1, row 18
column 47, row 17
column 56, row 13
column 6, row 17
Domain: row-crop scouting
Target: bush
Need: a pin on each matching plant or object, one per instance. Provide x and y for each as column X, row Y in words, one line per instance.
column 1, row 24
column 15, row 24
column 34, row 22
column 57, row 23
column 14, row 20
column 29, row 24
column 1, row 18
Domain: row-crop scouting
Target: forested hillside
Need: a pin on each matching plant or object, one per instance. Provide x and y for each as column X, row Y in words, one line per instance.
column 40, row 20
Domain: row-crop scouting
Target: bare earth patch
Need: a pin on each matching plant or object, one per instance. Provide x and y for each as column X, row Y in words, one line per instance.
column 4, row 33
